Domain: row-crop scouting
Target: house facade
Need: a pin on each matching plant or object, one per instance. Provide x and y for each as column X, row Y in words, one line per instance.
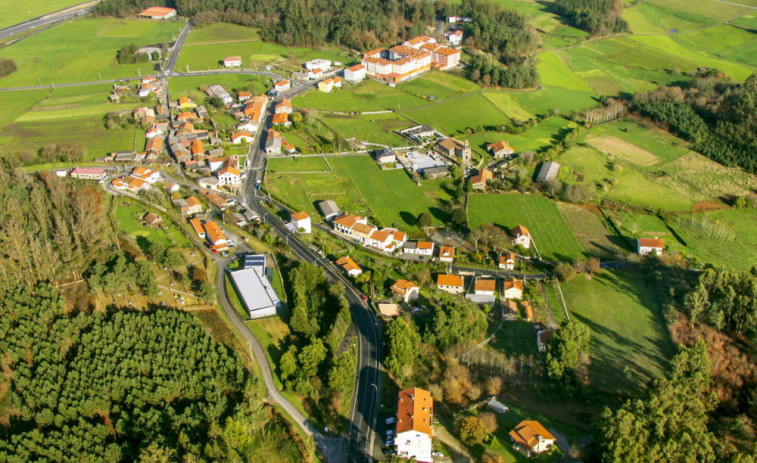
column 446, row 254
column 419, row 248
column 89, row 173
column 532, row 438
column 232, row 62
column 507, row 261
column 500, row 149
column 645, row 246
column 349, row 266
column 301, row 221
column 513, row 289
column 521, row 236
column 406, row 290
column 415, row 415
column 452, row 284
column 355, row 73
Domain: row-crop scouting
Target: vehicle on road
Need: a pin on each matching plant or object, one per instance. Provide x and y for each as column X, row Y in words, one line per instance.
column 364, row 297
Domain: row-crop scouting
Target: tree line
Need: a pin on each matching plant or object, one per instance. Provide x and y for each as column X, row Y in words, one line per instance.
column 718, row 116
column 597, row 17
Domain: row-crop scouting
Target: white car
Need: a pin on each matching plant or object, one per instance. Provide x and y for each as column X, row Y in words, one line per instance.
column 391, row 420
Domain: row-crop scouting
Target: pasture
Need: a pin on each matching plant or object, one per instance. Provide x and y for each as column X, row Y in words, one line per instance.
column 31, row 9
column 454, row 116
column 541, row 216
column 439, row 85
column 373, row 128
column 629, row 344
column 542, row 135
column 635, row 143
column 190, row 86
column 508, row 105
column 366, row 96
column 83, row 50
column 298, row 164
column 594, row 237
column 554, row 73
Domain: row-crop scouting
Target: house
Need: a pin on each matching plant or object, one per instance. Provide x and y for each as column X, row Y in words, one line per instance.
column 186, row 116
column 542, row 338
column 145, row 89
column 484, row 287
column 405, row 290
column 357, row 228
column 354, row 74
column 215, row 236
column 322, row 64
column 254, row 288
column 149, row 176
column 500, row 149
column 282, row 85
column 314, row 74
column 548, row 172
column 414, row 431
column 281, row 120
column 455, row 38
column 136, row 184
column 89, row 173
column 329, row 84
column 229, row 176
column 248, row 127
column 646, row 246
column 513, row 289
column 158, row 12
column 478, row 181
column 198, row 148
column 232, row 62
column 157, row 130
column 452, row 284
column 446, row 253
column 142, row 112
column 420, row 248
column 453, row 148
column 529, row 310
column 152, row 219
column 202, row 112
column 509, row 310
column 273, row 142
column 197, row 226
column 385, row 156
column 171, row 187
column 389, row 310
column 194, row 206
column 244, row 96
column 436, row 172
column 241, row 136
column 186, row 104
column 507, row 261
column 496, row 406
column 532, row 438
column 329, row 209
column 210, row 183
column 119, row 184
column 285, row 106
column 220, row 92
column 301, row 221
column 446, row 58
column 349, row 266
column 521, row 236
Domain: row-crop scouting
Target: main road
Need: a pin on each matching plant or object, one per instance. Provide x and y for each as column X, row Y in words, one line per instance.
column 46, row 20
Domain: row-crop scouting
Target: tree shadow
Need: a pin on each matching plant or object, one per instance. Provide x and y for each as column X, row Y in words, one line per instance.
column 409, row 218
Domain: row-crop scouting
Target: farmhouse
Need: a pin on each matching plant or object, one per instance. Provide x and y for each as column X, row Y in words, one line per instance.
column 197, row 226
column 509, row 310
column 548, row 171
column 452, row 284
column 194, row 206
column 198, row 148
column 145, row 89
column 301, row 222
column 244, row 96
column 136, row 184
column 149, row 176
column 406, row 290
column 282, row 85
column 354, row 74
column 158, row 12
column 254, row 289
column 455, row 38
column 415, row 415
column 273, row 142
column 532, row 438
column 152, row 219
column 507, row 261
column 513, row 289
column 281, row 120
column 484, row 290
column 478, row 181
column 385, row 156
column 446, row 253
column 255, row 109
column 646, row 246
column 420, row 248
column 453, row 148
column 89, row 173
column 329, row 84
column 329, row 209
column 241, row 136
column 500, row 149
column 349, row 266
column 521, row 236
column 314, row 74
column 220, row 92
column 284, row 107
column 232, row 62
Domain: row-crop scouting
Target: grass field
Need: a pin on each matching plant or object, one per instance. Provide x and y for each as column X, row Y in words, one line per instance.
column 83, row 50
column 541, row 136
column 190, row 86
column 540, row 215
column 439, row 85
column 507, row 104
column 14, row 104
column 635, row 143
column 32, row 9
column 550, row 99
column 452, row 116
column 590, row 231
column 129, row 216
column 299, row 164
column 366, row 96
column 555, row 73
column 629, row 343
column 373, row 128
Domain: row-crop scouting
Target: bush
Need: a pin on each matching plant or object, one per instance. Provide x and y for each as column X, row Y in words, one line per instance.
column 7, row 66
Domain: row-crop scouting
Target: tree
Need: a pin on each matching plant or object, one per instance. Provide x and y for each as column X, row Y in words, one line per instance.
column 311, row 357
column 205, row 291
column 458, row 216
column 565, row 271
column 288, row 363
column 424, row 220
column 7, row 66
column 489, row 422
column 403, row 341
column 564, row 348
column 593, row 265
column 471, row 431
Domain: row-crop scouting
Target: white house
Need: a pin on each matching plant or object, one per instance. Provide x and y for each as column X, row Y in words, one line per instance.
column 349, row 266
column 485, row 287
column 216, row 237
column 415, row 415
column 248, row 126
column 315, row 74
column 241, row 136
column 521, row 236
column 149, row 176
column 229, row 176
column 232, row 62
column 507, row 261
column 532, row 438
column 322, row 64
column 455, row 38
column 301, row 221
column 446, row 254
column 282, row 85
column 420, row 248
column 513, row 289
column 452, row 284
column 89, row 173
column 646, row 246
column 354, row 74
column 357, row 228
column 406, row 290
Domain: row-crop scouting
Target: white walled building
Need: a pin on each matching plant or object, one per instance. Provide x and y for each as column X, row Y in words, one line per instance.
column 415, row 414
column 301, row 221
column 355, row 73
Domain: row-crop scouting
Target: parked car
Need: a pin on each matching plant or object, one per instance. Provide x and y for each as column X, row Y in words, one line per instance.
column 391, row 420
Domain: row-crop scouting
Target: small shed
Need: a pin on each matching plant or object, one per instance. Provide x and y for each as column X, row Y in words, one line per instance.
column 548, row 171
column 497, row 406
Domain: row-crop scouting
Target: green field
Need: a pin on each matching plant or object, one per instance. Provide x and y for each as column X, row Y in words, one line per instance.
column 439, row 85
column 635, row 143
column 508, row 105
column 629, row 343
column 550, row 99
column 548, row 228
column 14, row 14
column 83, row 51
column 541, row 136
column 366, row 96
column 554, row 73
column 298, row 164
column 590, row 231
column 128, row 217
column 359, row 186
column 452, row 116
column 373, row 128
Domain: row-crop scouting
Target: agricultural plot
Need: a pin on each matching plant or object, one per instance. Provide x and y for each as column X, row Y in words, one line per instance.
column 555, row 73
column 725, row 42
column 14, row 104
column 298, row 164
column 366, row 96
column 508, row 105
column 542, row 135
column 551, row 99
column 454, row 116
column 550, row 232
column 592, row 234
column 635, row 143
column 439, row 85
column 373, row 128
column 129, row 220
column 190, row 86
column 83, row 50
column 304, row 191
column 629, row 344
column 33, row 9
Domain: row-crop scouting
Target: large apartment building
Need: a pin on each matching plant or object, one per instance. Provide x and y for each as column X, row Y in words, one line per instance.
column 411, row 58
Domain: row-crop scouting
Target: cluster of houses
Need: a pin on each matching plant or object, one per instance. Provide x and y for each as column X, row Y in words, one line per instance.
column 409, row 59
column 138, row 180
column 358, row 229
column 211, row 232
column 146, row 87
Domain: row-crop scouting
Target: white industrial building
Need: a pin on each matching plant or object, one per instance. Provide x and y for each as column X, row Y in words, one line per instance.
column 254, row 289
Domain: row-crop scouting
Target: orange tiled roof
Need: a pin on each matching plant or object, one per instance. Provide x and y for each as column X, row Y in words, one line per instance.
column 347, row 264
column 414, row 411
column 214, row 232
column 499, row 146
column 193, row 201
column 527, row 433
column 449, row 280
column 280, row 118
column 651, row 243
column 197, row 225
column 447, row 251
column 521, row 230
column 402, row 287
column 158, row 11
column 485, row 285
column 347, row 220
column 513, row 283
column 424, row 245
column 302, row 215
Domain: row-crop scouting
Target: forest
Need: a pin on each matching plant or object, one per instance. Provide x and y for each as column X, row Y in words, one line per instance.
column 597, row 17
column 718, row 116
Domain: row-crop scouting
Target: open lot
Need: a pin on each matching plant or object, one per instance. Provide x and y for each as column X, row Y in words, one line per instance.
column 439, row 85
column 541, row 136
column 298, row 164
column 129, row 219
column 190, row 86
column 366, row 96
column 455, row 115
column 629, row 343
column 83, row 50
column 590, row 231
column 548, row 228
column 373, row 128
column 636, row 143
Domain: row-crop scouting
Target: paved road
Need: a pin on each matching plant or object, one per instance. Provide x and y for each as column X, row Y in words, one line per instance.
column 46, row 20
column 176, row 51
